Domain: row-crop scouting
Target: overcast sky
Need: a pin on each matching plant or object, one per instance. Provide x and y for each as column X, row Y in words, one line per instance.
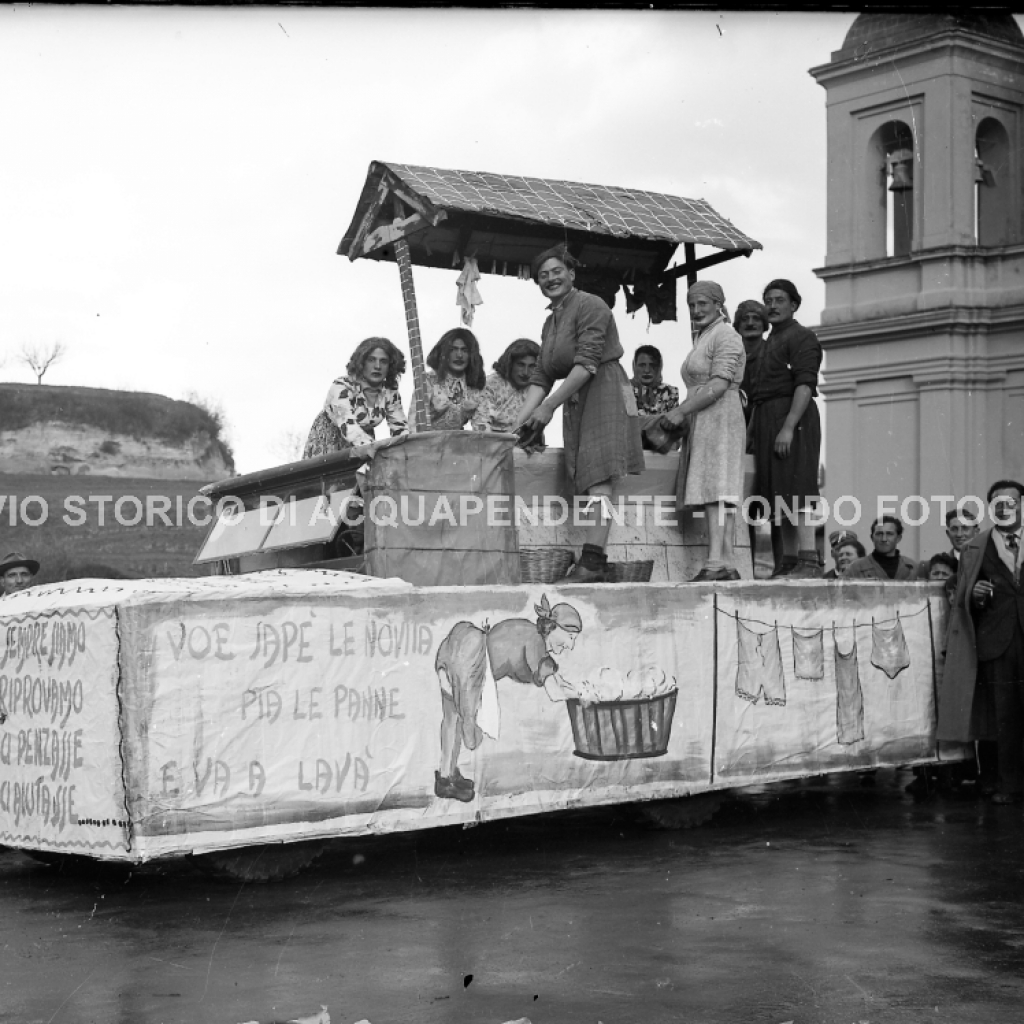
column 175, row 182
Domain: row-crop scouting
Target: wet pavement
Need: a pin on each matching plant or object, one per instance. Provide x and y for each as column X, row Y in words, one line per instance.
column 824, row 901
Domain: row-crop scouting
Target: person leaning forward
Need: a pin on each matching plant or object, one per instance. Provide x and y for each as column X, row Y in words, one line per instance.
column 600, row 424
column 985, row 643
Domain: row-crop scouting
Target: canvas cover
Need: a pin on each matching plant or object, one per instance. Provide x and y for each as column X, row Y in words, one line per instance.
column 434, row 510
column 148, row 718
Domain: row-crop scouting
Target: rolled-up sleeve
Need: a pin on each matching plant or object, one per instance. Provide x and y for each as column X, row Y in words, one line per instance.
column 728, row 356
column 591, row 333
column 805, row 360
column 539, row 378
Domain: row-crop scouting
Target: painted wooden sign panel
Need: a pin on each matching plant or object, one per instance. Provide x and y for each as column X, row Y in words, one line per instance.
column 297, row 704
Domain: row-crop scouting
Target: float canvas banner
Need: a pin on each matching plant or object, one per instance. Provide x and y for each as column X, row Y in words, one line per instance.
column 256, row 719
column 60, row 767
column 830, row 678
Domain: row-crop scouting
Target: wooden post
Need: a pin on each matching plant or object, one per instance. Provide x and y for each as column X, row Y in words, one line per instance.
column 690, row 251
column 412, row 323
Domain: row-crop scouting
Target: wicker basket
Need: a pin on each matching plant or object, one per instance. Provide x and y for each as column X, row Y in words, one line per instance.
column 629, row 572
column 623, row 729
column 544, row 565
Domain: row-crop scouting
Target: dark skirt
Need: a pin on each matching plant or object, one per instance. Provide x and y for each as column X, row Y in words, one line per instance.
column 601, row 430
column 793, row 480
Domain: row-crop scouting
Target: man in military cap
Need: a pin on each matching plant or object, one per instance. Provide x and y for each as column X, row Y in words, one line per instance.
column 836, row 539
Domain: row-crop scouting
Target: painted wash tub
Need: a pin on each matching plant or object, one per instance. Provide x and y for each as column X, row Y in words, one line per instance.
column 145, row 719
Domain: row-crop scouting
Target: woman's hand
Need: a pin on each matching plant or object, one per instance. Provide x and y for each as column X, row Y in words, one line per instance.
column 673, row 419
column 440, row 402
column 783, row 441
column 539, row 418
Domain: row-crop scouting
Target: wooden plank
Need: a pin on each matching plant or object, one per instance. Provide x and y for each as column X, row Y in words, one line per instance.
column 691, row 266
column 388, row 234
column 368, row 218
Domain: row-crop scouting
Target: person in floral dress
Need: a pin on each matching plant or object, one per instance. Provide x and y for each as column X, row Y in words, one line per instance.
column 455, row 380
column 360, row 401
column 506, row 388
column 653, row 398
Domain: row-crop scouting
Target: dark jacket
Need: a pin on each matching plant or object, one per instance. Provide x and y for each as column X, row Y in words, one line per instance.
column 867, row 568
column 995, row 625
column 973, row 636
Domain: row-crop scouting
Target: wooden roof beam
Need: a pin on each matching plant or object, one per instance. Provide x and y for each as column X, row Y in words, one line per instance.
column 691, row 266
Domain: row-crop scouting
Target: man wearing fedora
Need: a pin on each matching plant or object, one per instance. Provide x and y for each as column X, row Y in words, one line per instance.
column 16, row 573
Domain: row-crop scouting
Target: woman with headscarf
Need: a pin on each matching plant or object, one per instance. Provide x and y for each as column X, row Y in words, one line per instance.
column 600, row 426
column 455, row 380
column 653, row 397
column 505, row 391
column 711, row 470
column 360, row 401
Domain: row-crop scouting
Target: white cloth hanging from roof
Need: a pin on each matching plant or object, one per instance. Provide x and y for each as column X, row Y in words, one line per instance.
column 468, row 297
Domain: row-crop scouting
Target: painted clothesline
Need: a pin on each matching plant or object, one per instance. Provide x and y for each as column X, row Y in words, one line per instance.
column 898, row 617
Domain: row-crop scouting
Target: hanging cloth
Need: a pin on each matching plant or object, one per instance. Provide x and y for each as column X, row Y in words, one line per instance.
column 849, row 696
column 468, row 295
column 809, row 654
column 759, row 668
column 889, row 650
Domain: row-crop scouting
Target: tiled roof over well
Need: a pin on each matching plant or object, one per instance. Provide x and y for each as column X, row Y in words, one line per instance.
column 602, row 209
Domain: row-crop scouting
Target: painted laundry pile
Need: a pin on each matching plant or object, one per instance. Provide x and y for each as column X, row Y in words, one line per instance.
column 760, row 672
column 612, row 686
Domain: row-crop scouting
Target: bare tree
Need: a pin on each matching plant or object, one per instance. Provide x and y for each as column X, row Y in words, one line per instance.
column 40, row 358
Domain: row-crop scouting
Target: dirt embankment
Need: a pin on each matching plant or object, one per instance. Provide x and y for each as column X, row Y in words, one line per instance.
column 94, row 431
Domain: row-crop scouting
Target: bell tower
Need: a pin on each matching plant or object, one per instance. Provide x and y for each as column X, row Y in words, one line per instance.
column 923, row 326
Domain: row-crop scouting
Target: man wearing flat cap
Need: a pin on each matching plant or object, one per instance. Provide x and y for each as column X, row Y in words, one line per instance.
column 16, row 573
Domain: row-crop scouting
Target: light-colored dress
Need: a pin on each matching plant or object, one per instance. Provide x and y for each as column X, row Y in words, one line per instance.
column 713, row 469
column 499, row 408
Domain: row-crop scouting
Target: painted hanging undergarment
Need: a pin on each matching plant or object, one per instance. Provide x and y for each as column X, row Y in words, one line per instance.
column 759, row 670
column 809, row 654
column 849, row 696
column 889, row 651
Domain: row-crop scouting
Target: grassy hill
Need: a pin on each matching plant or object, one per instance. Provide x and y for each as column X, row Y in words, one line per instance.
column 65, row 549
column 138, row 414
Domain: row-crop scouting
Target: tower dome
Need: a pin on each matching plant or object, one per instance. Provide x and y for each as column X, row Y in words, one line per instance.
column 880, row 31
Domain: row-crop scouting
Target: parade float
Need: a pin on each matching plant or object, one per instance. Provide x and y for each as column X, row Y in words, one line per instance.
column 425, row 667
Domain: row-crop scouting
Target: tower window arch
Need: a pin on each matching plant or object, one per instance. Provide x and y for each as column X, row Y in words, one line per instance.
column 891, row 172
column 993, row 190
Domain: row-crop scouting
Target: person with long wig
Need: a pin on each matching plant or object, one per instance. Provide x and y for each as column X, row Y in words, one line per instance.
column 506, row 388
column 455, row 380
column 358, row 402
